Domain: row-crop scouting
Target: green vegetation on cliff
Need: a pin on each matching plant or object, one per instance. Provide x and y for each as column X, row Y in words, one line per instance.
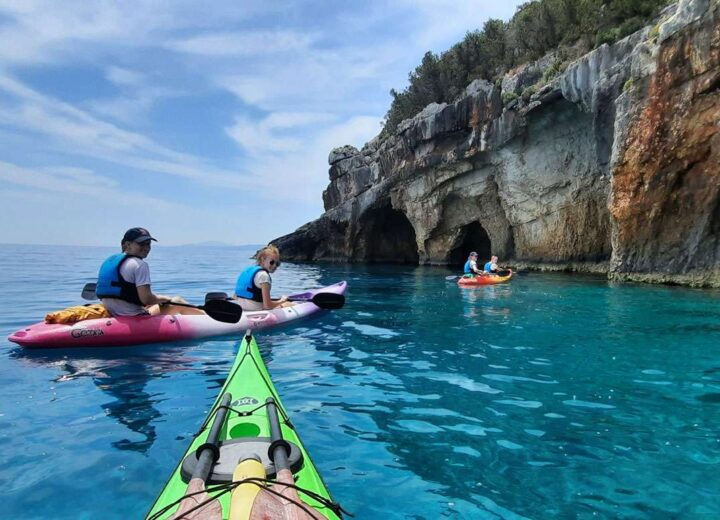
column 572, row 26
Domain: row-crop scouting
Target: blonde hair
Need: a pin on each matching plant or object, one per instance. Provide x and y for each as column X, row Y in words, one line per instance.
column 267, row 251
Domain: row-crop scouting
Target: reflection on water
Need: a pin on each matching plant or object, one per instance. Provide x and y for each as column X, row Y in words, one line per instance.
column 487, row 300
column 124, row 380
column 132, row 406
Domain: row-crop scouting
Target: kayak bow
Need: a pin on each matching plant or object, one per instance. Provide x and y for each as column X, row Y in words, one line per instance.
column 246, row 443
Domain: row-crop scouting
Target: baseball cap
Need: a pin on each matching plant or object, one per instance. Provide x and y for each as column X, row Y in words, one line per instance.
column 137, row 234
column 473, row 253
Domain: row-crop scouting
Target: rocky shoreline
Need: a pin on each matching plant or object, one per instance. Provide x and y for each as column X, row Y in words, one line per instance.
column 611, row 165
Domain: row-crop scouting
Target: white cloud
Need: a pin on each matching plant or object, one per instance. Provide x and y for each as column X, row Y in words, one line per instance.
column 134, row 106
column 244, row 43
column 124, row 77
column 340, row 81
column 68, row 175
column 64, row 180
column 123, row 109
column 39, row 31
column 138, row 94
column 74, row 131
column 278, row 132
column 252, row 90
column 444, row 22
column 302, row 175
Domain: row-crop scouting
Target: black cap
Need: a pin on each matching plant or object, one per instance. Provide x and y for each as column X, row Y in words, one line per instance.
column 473, row 253
column 137, row 234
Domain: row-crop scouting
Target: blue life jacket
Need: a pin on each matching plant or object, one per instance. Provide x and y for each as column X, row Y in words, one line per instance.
column 488, row 267
column 468, row 268
column 245, row 286
column 111, row 284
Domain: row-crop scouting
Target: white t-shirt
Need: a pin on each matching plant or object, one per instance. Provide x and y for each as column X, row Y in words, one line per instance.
column 136, row 271
column 260, row 277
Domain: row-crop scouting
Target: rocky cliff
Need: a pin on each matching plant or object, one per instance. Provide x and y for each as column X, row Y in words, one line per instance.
column 612, row 165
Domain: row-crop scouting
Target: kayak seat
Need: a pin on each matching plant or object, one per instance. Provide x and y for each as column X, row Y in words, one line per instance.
column 233, row 451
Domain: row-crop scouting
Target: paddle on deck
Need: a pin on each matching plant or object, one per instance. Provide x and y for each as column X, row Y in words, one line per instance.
column 324, row 300
column 219, row 310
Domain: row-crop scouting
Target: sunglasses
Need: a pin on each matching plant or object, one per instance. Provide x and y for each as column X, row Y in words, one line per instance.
column 273, row 262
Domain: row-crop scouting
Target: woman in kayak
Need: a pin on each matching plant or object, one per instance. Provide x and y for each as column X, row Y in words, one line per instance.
column 252, row 289
column 124, row 281
column 471, row 265
column 491, row 266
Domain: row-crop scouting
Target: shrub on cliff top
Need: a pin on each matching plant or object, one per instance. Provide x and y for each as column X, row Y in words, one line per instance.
column 537, row 27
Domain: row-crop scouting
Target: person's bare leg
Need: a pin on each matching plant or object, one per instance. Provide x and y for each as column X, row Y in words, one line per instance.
column 169, row 308
column 174, row 309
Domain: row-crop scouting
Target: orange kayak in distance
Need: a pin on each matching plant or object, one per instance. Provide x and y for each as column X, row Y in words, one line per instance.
column 490, row 279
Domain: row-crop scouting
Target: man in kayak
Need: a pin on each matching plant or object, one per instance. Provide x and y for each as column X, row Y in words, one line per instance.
column 471, row 265
column 124, row 281
column 491, row 266
column 252, row 289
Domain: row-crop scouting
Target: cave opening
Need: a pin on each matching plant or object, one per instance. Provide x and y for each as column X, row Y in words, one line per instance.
column 387, row 236
column 472, row 237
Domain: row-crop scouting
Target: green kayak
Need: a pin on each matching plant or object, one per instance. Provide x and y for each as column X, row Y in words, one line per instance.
column 247, row 461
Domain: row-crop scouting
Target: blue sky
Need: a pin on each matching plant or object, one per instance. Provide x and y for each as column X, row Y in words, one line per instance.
column 202, row 121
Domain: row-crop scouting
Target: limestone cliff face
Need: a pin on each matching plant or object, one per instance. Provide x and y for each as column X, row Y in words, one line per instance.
column 665, row 190
column 611, row 166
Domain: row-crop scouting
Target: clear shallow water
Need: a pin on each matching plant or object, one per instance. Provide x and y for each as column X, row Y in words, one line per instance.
column 553, row 395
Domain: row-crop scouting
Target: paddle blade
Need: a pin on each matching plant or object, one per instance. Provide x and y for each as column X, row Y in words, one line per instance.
column 451, row 278
column 215, row 296
column 328, row 300
column 88, row 292
column 223, row 310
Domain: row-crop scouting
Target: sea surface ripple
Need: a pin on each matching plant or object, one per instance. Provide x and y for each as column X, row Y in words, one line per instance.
column 553, row 395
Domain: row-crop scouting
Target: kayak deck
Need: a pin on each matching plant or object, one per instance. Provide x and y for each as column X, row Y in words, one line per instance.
column 246, row 427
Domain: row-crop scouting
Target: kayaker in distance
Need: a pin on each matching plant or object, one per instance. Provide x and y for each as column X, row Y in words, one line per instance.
column 124, row 281
column 471, row 265
column 252, row 289
column 491, row 266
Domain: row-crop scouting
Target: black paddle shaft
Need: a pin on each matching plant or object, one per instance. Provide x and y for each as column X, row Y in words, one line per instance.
column 324, row 300
column 279, row 447
column 209, row 452
column 219, row 310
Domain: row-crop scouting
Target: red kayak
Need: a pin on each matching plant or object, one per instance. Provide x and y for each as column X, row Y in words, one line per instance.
column 488, row 279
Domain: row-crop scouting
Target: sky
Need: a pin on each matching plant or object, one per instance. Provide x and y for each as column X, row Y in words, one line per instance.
column 201, row 121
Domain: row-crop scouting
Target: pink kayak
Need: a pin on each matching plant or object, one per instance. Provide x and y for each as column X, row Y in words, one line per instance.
column 135, row 330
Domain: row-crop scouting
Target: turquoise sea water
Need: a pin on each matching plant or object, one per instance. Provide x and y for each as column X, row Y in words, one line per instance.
column 551, row 396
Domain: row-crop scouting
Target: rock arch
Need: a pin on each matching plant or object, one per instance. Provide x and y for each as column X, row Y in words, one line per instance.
column 385, row 235
column 471, row 237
